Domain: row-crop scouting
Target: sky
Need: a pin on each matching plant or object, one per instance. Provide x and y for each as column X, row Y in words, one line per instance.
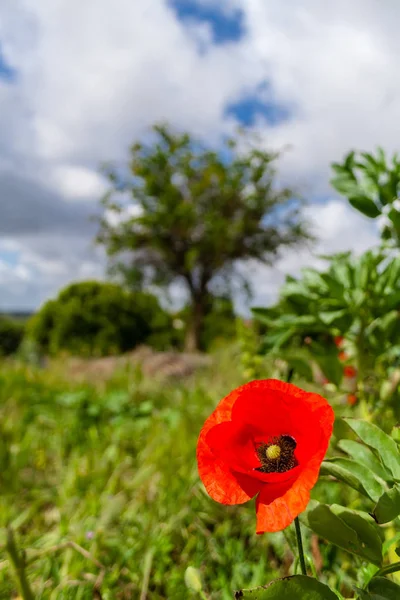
column 80, row 81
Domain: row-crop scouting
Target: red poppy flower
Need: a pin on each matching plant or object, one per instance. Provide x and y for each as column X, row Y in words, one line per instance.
column 266, row 438
column 350, row 371
column 338, row 341
column 351, row 399
column 343, row 356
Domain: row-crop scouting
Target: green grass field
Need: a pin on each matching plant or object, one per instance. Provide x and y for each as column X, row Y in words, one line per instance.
column 100, row 484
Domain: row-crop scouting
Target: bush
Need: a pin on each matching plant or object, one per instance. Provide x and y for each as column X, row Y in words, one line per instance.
column 11, row 334
column 97, row 319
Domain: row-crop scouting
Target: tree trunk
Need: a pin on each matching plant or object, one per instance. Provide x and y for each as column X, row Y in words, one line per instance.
column 193, row 335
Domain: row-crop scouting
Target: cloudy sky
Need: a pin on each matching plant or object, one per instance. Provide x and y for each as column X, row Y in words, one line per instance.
column 81, row 79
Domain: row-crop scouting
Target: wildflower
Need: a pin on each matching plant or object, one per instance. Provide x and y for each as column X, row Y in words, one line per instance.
column 351, row 399
column 338, row 340
column 265, row 439
column 349, row 371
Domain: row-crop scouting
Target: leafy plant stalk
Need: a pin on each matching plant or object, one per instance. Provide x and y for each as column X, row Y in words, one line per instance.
column 300, row 546
column 17, row 560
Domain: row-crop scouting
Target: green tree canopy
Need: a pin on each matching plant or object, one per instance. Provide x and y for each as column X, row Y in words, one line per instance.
column 194, row 213
column 93, row 318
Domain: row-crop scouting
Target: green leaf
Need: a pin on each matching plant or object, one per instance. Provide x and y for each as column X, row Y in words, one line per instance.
column 289, row 588
column 348, row 531
column 301, row 365
column 364, row 456
column 376, row 438
column 365, row 205
column 369, row 535
column 193, row 579
column 330, row 318
column 345, row 185
column 356, row 475
column 380, row 588
column 331, row 366
column 388, row 506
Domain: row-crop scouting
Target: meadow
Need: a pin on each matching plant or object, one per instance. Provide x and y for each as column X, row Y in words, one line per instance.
column 100, row 485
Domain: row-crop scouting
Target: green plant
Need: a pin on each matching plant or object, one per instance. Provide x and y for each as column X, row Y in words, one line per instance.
column 356, row 298
column 11, row 334
column 94, row 319
column 372, row 186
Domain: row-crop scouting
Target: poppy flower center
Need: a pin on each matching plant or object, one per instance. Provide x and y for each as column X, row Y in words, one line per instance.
column 277, row 455
column 273, row 451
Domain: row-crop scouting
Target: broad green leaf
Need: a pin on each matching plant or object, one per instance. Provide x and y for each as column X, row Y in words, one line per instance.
column 388, row 506
column 314, row 280
column 349, row 531
column 335, row 287
column 370, row 536
column 394, row 216
column 330, row 318
column 345, row 185
column 331, row 367
column 380, row 588
column 342, row 271
column 298, row 587
column 365, row 205
column 376, row 438
column 264, row 315
column 329, row 526
column 277, row 339
column 364, row 456
column 301, row 365
column 356, row 475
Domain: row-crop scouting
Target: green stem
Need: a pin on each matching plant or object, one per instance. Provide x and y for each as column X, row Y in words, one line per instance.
column 387, row 570
column 17, row 560
column 300, row 546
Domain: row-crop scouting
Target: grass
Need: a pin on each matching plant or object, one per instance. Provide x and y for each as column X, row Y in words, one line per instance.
column 100, row 484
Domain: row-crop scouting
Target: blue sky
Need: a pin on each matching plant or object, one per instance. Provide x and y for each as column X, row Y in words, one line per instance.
column 225, row 27
column 80, row 82
column 7, row 73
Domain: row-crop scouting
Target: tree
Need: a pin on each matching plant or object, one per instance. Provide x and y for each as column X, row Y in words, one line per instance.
column 194, row 213
column 92, row 318
column 372, row 186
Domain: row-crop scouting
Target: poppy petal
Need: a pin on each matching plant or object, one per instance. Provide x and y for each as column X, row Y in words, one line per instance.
column 221, row 483
column 277, row 507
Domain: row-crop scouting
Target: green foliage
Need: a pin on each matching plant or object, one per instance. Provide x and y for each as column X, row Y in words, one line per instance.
column 251, row 362
column 196, row 213
column 356, row 298
column 11, row 334
column 96, row 319
column 100, row 485
column 350, row 530
column 113, row 470
column 372, row 186
column 357, row 531
column 298, row 586
column 380, row 589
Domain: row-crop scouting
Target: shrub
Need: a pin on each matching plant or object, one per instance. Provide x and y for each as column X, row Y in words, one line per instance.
column 11, row 334
column 96, row 319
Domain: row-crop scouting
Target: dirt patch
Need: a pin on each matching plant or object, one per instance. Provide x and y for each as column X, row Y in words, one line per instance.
column 160, row 365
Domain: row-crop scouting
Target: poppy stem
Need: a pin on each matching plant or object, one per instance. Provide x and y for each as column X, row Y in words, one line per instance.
column 300, row 546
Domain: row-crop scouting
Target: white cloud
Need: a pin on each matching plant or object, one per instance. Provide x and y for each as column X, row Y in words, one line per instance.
column 93, row 75
column 78, row 182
